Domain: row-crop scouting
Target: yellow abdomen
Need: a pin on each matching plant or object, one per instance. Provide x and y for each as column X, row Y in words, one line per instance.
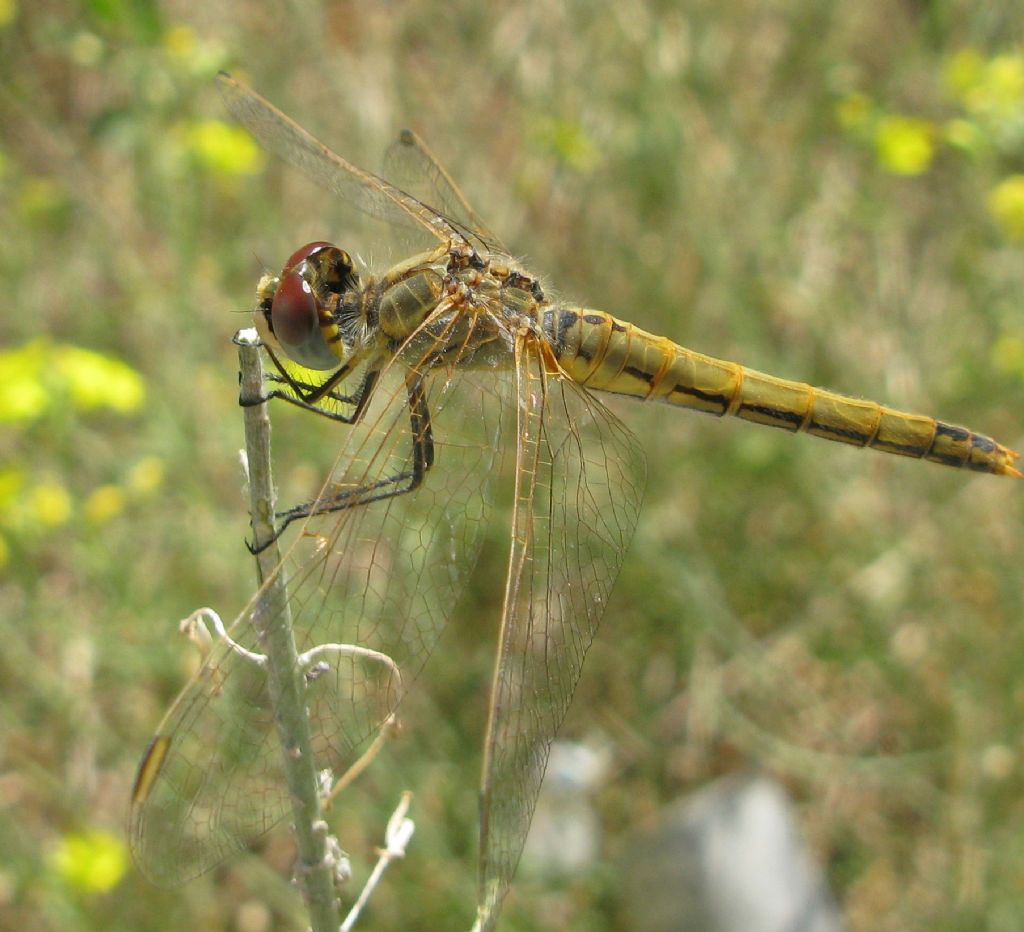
column 610, row 355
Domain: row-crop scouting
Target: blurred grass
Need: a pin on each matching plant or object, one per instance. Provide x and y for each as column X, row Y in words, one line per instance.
column 829, row 192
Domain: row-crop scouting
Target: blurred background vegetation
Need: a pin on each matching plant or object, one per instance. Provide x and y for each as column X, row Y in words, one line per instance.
column 831, row 192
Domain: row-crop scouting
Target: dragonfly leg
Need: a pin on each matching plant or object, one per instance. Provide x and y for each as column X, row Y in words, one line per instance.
column 359, row 401
column 307, row 388
column 306, row 396
column 398, row 484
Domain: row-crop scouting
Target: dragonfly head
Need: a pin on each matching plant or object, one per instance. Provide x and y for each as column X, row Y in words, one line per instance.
column 297, row 306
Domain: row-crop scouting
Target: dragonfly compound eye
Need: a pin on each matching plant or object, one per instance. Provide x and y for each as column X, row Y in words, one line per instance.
column 298, row 320
column 334, row 269
column 306, row 252
column 328, row 266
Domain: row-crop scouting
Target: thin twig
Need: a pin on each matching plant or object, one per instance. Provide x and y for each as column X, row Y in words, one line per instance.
column 272, row 620
column 396, row 837
column 385, row 733
column 195, row 628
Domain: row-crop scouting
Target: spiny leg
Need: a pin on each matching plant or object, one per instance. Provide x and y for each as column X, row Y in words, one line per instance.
column 308, row 388
column 359, row 401
column 306, row 396
column 398, row 484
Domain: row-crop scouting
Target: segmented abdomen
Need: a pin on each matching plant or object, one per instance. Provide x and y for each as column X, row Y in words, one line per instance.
column 610, row 355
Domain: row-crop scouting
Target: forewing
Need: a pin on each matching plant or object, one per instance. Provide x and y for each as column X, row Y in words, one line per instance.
column 384, row 576
column 579, row 483
column 362, row 189
column 411, row 164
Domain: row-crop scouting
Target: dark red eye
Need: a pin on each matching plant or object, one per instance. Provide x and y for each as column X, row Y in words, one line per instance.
column 295, row 322
column 326, row 266
column 293, row 314
column 304, row 253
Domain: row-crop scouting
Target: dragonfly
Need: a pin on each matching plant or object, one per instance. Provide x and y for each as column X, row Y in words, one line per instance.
column 449, row 372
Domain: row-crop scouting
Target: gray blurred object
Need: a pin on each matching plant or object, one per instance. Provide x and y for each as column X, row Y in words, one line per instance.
column 727, row 859
column 565, row 836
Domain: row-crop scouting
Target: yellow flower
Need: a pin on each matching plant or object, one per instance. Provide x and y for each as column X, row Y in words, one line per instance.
column 22, row 394
column 92, row 861
column 95, row 380
column 104, row 503
column 1004, row 84
column 8, row 11
column 904, row 145
column 991, row 87
column 963, row 72
column 49, row 504
column 1006, row 204
column 35, row 375
column 223, row 148
column 180, row 41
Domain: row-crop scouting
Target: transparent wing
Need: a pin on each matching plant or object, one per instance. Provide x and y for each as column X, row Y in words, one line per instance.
column 362, row 189
column 579, row 484
column 383, row 576
column 411, row 164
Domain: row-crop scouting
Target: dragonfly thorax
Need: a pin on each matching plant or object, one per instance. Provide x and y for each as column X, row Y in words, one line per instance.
column 406, row 304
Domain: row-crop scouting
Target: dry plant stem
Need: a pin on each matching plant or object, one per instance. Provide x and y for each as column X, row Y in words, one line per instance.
column 272, row 619
column 365, row 759
column 396, row 837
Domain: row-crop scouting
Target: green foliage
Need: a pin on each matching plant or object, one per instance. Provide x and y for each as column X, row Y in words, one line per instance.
column 831, row 192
